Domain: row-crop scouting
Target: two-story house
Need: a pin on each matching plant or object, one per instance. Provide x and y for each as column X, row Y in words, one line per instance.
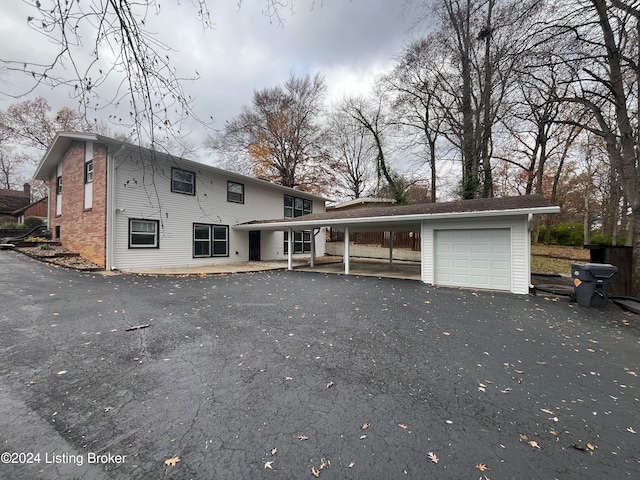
column 126, row 207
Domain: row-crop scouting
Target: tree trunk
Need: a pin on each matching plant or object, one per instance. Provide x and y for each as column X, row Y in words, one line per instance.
column 635, row 263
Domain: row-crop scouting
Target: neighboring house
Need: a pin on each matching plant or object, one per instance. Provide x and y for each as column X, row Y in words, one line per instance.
column 482, row 243
column 36, row 209
column 126, row 207
column 12, row 200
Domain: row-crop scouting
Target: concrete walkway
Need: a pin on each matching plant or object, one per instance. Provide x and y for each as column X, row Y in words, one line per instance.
column 363, row 267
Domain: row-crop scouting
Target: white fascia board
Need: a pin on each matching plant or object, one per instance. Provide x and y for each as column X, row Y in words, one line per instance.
column 399, row 219
column 56, row 150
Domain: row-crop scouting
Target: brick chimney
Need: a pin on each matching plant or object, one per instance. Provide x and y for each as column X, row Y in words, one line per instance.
column 27, row 190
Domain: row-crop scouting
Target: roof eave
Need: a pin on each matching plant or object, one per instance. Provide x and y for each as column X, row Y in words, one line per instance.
column 399, row 219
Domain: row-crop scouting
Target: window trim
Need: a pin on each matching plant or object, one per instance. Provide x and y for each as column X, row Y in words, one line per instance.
column 88, row 171
column 298, row 245
column 295, row 211
column 156, row 244
column 212, row 240
column 193, row 183
column 231, row 182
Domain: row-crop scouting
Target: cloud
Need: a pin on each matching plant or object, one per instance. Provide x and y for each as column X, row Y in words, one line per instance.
column 349, row 42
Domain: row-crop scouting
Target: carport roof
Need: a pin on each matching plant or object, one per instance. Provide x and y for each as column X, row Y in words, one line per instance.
column 408, row 216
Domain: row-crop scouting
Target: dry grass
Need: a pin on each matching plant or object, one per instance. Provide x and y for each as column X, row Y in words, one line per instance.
column 556, row 258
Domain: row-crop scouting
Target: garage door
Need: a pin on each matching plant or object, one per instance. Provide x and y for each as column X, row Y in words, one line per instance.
column 473, row 258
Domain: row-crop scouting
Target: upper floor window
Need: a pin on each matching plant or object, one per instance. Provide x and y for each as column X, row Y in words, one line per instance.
column 59, row 185
column 235, row 192
column 88, row 171
column 183, row 181
column 296, row 207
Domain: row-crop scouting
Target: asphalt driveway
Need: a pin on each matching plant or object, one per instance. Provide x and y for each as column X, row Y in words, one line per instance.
column 294, row 374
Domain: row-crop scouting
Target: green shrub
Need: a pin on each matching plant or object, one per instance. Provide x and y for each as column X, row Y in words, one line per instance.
column 570, row 233
column 12, row 226
column 602, row 239
column 32, row 222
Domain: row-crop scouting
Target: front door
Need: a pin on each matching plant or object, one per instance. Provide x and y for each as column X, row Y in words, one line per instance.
column 254, row 245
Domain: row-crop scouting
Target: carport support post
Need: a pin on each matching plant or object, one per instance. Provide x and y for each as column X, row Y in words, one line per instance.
column 313, row 250
column 346, row 250
column 290, row 250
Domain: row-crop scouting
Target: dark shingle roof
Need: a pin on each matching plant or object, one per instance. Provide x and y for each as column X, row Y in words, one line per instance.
column 460, row 206
column 12, row 200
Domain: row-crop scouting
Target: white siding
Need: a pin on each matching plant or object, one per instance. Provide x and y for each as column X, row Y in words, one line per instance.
column 520, row 259
column 144, row 192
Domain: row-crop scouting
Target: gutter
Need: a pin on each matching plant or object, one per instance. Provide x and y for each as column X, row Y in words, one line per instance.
column 414, row 218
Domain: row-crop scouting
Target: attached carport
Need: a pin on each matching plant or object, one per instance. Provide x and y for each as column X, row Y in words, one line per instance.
column 480, row 243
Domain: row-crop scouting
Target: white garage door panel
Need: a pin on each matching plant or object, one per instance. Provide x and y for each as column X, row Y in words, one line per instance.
column 473, row 258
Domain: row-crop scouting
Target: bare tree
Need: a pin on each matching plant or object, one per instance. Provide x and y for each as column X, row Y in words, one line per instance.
column 602, row 41
column 371, row 115
column 97, row 41
column 351, row 152
column 280, row 134
column 419, row 101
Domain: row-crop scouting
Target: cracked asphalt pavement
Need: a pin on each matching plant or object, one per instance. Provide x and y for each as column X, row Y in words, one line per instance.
column 293, row 374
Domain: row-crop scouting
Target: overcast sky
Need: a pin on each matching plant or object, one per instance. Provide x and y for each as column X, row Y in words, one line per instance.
column 347, row 41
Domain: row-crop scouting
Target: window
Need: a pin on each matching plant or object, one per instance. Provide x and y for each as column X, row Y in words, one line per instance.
column 235, row 192
column 296, row 207
column 210, row 240
column 301, row 242
column 59, row 185
column 88, row 172
column 143, row 233
column 183, row 181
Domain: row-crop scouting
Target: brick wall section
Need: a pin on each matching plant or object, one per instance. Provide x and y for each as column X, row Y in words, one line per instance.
column 81, row 231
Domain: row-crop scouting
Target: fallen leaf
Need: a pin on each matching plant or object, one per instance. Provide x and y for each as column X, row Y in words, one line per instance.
column 523, row 437
column 172, row 461
column 631, row 430
column 591, row 446
column 274, row 451
column 268, row 465
column 288, row 378
column 632, row 373
column 449, row 422
column 482, row 467
column 433, row 457
column 554, row 432
column 519, row 371
column 315, row 472
column 541, row 363
column 482, row 388
column 108, row 409
column 534, row 444
column 351, row 464
column 362, row 437
column 578, row 447
column 446, row 333
column 302, row 437
column 330, row 384
column 364, row 426
column 324, row 463
column 403, row 426
column 546, row 410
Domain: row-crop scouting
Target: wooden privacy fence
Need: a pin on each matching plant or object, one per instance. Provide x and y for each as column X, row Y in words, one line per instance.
column 382, row 239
